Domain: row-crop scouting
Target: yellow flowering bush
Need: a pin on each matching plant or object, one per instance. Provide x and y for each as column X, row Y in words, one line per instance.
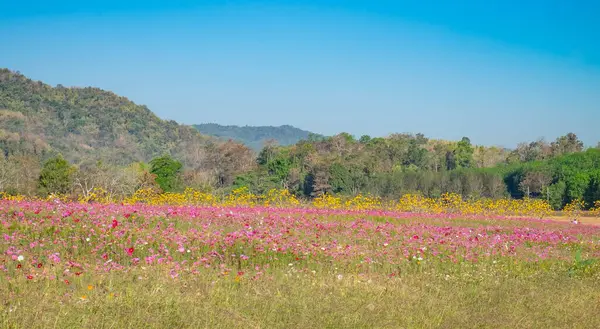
column 6, row 196
column 241, row 197
column 279, row 198
column 448, row 203
column 362, row 202
column 595, row 211
column 327, row 201
column 417, row 204
column 574, row 209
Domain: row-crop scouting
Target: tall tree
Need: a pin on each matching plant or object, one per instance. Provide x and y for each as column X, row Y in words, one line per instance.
column 56, row 176
column 167, row 171
column 569, row 143
column 463, row 153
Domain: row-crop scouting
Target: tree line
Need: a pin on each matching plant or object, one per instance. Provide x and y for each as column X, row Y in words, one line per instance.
column 559, row 172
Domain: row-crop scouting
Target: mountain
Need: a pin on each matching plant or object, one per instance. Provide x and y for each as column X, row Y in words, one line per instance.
column 90, row 124
column 255, row 136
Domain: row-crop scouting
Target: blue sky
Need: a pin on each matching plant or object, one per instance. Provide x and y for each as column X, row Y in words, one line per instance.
column 500, row 72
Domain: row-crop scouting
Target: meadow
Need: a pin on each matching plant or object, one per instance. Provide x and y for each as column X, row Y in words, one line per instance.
column 281, row 264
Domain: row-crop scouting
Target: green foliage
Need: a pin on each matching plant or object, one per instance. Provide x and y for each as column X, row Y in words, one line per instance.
column 580, row 265
column 279, row 168
column 364, row 139
column 592, row 193
column 342, row 179
column 167, row 171
column 556, row 194
column 577, row 185
column 560, row 180
column 56, row 176
column 463, row 154
column 256, row 182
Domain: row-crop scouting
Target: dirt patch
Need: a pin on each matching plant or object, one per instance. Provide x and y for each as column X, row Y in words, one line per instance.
column 582, row 220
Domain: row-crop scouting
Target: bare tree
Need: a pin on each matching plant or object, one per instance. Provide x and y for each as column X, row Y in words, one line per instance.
column 7, row 173
column 535, row 182
column 115, row 181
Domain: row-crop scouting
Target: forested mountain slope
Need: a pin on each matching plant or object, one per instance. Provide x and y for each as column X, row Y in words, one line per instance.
column 89, row 124
column 255, row 137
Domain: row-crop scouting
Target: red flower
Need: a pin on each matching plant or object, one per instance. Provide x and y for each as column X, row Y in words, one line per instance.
column 130, row 251
column 66, row 281
column 18, row 265
column 240, row 273
column 127, row 215
column 415, row 237
column 105, row 256
column 115, row 223
column 30, row 277
column 39, row 265
column 78, row 273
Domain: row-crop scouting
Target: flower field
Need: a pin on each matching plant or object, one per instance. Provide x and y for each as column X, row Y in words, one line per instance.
column 79, row 264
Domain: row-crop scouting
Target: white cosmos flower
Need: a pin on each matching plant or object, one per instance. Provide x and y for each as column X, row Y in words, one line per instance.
column 20, row 258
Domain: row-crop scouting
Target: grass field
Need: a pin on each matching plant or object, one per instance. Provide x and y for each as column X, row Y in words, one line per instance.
column 114, row 266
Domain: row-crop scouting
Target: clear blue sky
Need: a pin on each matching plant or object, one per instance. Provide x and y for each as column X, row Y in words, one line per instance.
column 499, row 72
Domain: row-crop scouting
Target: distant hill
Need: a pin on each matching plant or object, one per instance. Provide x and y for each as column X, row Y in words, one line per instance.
column 88, row 124
column 255, row 136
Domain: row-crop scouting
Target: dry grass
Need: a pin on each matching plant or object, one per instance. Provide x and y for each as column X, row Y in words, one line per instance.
column 471, row 297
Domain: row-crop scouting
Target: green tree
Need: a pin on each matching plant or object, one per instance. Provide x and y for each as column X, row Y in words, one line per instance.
column 463, row 154
column 415, row 155
column 56, row 176
column 279, row 168
column 556, row 194
column 592, row 194
column 450, row 160
column 577, row 185
column 167, row 171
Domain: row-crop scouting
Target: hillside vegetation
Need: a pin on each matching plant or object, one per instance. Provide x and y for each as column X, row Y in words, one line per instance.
column 87, row 125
